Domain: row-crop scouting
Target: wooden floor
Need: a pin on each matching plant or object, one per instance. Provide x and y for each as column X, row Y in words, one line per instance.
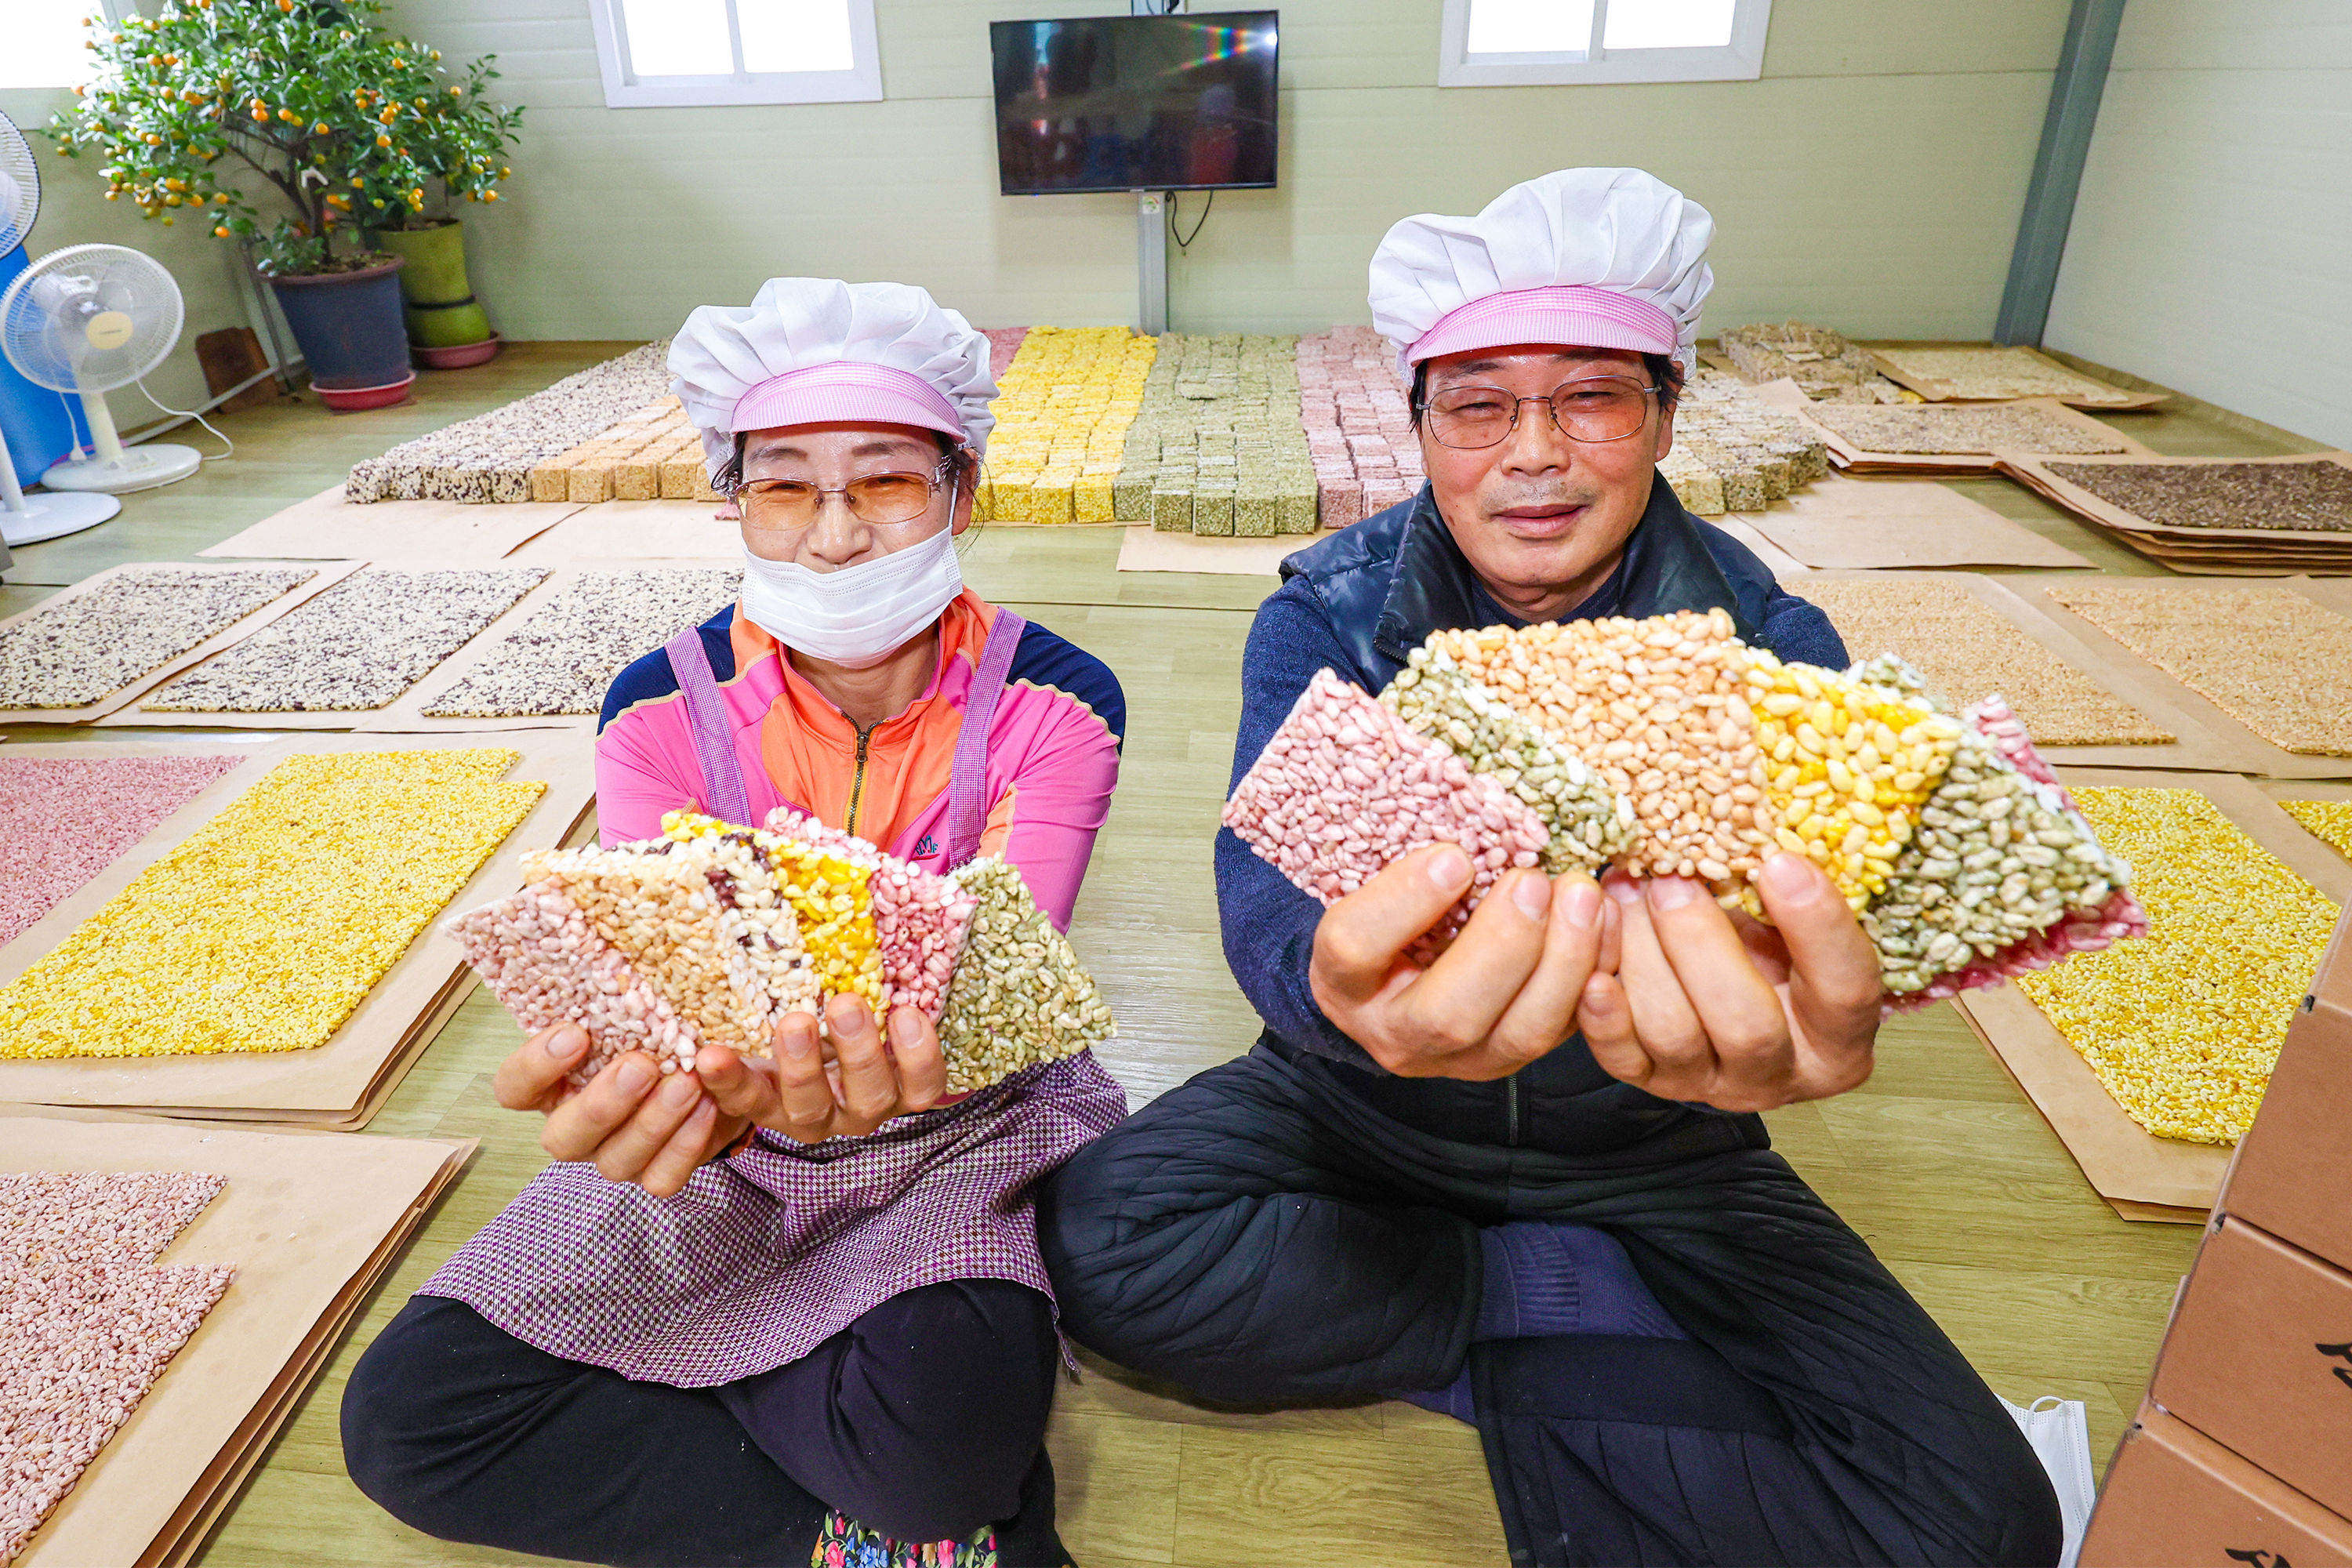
column 1939, row 1161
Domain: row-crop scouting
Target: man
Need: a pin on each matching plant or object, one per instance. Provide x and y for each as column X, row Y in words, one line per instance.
column 1527, row 1185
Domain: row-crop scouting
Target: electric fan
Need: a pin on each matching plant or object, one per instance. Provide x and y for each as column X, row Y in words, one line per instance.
column 29, row 519
column 88, row 320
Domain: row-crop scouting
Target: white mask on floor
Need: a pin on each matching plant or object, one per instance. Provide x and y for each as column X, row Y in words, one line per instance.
column 858, row 615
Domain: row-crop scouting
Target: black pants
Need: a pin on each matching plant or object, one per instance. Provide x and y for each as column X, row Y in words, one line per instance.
column 1261, row 1235
column 924, row 1419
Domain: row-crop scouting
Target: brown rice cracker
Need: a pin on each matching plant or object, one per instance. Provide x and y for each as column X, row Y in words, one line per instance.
column 1998, row 373
column 2269, row 658
column 1931, row 428
column 1966, row 650
column 2301, row 498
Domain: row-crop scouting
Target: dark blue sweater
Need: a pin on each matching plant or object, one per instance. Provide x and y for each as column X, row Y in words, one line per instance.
column 1317, row 620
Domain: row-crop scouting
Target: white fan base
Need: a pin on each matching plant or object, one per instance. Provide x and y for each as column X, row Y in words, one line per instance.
column 53, row 517
column 141, row 469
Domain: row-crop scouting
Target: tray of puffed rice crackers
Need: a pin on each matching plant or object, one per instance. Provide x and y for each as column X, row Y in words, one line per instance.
column 2149, row 1060
column 266, row 950
column 712, row 934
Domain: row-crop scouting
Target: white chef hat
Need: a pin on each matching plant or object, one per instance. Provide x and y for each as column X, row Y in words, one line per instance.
column 1603, row 259
column 809, row 350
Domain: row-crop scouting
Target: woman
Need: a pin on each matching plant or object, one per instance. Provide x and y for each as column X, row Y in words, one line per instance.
column 789, row 1311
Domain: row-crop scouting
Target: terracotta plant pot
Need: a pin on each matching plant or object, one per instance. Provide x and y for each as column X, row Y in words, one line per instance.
column 442, row 310
column 347, row 326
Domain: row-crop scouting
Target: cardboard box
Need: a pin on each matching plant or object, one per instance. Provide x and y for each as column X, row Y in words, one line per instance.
column 2292, row 1172
column 2259, row 1357
column 2175, row 1496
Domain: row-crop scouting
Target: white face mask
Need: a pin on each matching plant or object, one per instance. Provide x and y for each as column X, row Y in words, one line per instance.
column 860, row 614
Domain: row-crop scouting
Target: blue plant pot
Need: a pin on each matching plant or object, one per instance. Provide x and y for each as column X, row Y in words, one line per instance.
column 349, row 326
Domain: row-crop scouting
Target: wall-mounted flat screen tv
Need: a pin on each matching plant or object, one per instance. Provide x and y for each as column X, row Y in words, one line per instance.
column 1135, row 103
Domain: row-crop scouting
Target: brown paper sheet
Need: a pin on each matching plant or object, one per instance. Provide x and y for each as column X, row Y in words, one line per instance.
column 310, row 1223
column 1787, row 395
column 2154, row 693
column 1858, row 524
column 1888, row 356
column 328, row 574
column 1779, row 561
column 136, row 716
column 394, row 531
column 1146, row 549
column 2269, row 552
column 637, row 532
column 345, row 1082
column 2197, row 747
column 2121, row 1159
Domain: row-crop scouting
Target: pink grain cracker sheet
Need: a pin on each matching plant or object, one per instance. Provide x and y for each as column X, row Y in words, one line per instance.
column 583, row 980
column 87, row 1322
column 70, row 818
column 1344, row 788
column 2119, row 917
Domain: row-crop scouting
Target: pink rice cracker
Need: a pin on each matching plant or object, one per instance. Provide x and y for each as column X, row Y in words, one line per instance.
column 921, row 918
column 540, row 956
column 1344, row 788
column 87, row 1322
column 2120, row 916
column 70, row 818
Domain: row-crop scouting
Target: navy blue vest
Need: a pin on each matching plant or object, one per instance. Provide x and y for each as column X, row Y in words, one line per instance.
column 1398, row 575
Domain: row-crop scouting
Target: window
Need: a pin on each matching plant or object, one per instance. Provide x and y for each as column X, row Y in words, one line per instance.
column 44, row 42
column 680, row 52
column 1518, row 43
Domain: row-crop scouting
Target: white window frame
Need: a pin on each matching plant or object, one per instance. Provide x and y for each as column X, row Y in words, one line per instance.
column 624, row 89
column 1741, row 61
column 113, row 11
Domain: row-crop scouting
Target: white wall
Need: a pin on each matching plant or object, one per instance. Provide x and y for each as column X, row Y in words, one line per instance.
column 75, row 210
column 1872, row 179
column 2211, row 247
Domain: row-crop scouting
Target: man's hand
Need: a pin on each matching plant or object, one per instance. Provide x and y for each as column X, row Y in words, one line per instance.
column 1503, row 994
column 810, row 1092
column 631, row 1129
column 1740, row 1016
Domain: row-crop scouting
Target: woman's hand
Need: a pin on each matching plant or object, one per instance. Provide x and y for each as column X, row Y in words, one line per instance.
column 843, row 1087
column 1736, row 1015
column 630, row 1122
column 634, row 1125
column 1503, row 994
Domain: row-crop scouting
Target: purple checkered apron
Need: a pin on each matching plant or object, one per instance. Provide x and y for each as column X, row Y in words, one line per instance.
column 772, row 1251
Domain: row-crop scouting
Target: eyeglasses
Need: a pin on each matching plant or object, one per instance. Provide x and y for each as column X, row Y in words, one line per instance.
column 1598, row 408
column 784, row 505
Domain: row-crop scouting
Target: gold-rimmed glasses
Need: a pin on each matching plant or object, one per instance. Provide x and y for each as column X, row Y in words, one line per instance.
column 1591, row 408
column 785, row 505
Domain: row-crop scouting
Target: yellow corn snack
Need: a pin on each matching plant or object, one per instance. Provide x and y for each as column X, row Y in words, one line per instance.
column 1847, row 765
column 2329, row 821
column 1062, row 413
column 827, row 895
column 268, row 924
column 2184, row 1027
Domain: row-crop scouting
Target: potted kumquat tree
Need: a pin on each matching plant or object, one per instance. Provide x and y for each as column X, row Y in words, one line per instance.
column 351, row 125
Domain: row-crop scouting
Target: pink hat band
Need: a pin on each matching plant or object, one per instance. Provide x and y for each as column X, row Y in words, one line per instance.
column 846, row 391
column 1571, row 313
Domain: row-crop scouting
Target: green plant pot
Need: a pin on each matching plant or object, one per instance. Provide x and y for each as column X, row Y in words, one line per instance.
column 441, row 308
